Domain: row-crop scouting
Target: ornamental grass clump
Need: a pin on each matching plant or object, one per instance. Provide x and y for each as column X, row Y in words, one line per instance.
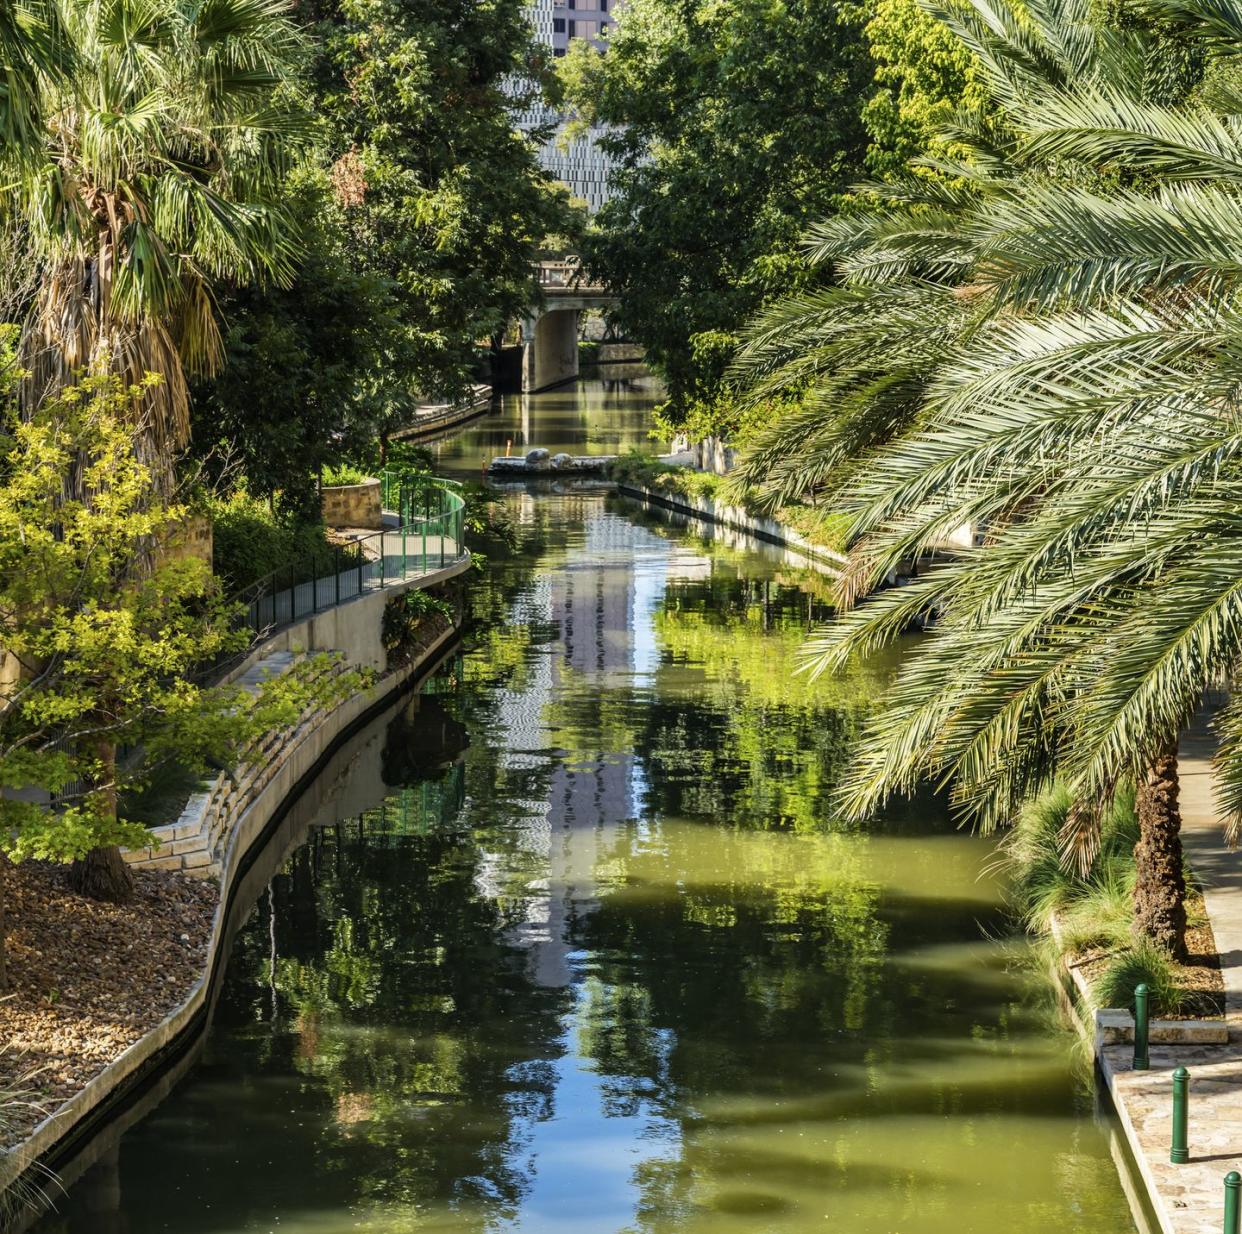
column 1142, row 963
column 1091, row 909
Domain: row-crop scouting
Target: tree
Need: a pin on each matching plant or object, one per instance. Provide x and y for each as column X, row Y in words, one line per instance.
column 1078, row 406
column 153, row 143
column 441, row 195
column 735, row 124
column 111, row 632
column 308, row 373
column 923, row 76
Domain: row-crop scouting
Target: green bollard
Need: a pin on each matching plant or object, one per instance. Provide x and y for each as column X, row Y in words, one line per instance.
column 1179, row 1154
column 1233, row 1181
column 1141, row 1060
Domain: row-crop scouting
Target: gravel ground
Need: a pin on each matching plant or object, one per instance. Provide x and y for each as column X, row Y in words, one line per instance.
column 87, row 979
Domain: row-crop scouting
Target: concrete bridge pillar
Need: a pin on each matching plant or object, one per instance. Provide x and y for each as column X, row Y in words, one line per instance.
column 549, row 349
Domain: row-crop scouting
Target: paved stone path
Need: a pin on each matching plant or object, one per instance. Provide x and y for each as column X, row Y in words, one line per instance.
column 1189, row 1198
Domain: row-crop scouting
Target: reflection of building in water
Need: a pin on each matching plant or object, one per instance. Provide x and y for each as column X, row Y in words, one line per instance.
column 599, row 606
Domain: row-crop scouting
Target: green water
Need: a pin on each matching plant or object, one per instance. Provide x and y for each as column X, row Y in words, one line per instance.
column 579, row 947
column 605, row 413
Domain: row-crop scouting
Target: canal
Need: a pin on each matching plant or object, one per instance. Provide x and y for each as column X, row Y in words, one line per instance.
column 577, row 945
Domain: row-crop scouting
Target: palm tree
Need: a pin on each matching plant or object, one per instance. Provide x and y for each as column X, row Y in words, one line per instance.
column 151, row 142
column 143, row 149
column 1082, row 408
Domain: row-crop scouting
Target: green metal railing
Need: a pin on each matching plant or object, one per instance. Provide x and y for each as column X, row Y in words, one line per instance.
column 429, row 536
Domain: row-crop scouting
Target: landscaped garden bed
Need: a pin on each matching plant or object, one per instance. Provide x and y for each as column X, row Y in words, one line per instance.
column 87, row 979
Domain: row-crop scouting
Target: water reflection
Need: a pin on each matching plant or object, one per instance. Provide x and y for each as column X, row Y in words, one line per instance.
column 579, row 944
column 607, row 412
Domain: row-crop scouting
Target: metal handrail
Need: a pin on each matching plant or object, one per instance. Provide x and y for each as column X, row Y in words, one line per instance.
column 418, row 544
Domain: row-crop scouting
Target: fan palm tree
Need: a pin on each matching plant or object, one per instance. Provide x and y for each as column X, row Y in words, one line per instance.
column 1079, row 400
column 151, row 142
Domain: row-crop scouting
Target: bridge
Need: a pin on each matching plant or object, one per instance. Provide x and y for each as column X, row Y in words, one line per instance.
column 550, row 331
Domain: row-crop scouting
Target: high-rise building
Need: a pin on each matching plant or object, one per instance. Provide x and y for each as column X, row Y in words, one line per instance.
column 580, row 163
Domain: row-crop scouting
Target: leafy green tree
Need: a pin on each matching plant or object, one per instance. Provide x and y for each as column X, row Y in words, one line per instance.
column 735, row 123
column 923, row 75
column 307, row 370
column 154, row 139
column 108, row 632
column 1044, row 353
column 441, row 194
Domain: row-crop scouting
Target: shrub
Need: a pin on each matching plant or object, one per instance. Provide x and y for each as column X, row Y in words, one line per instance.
column 404, row 618
column 343, row 473
column 1143, row 962
column 1044, row 887
column 819, row 525
column 251, row 541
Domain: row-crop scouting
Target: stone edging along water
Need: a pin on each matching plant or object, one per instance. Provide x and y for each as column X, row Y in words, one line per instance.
column 1145, row 1171
column 737, row 518
column 294, row 761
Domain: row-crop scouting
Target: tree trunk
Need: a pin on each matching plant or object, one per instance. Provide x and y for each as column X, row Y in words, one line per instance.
column 1160, row 886
column 103, row 875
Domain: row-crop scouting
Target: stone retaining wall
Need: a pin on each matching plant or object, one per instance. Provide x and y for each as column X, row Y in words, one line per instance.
column 353, row 505
column 197, row 841
column 738, row 519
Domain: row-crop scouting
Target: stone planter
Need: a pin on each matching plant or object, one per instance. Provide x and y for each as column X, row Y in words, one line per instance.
column 193, row 539
column 353, row 505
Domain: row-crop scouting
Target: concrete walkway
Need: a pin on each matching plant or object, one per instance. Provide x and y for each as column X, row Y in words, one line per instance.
column 1188, row 1199
column 1218, row 867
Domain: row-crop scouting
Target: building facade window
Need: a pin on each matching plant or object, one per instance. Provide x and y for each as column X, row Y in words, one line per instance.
column 573, row 29
column 558, row 25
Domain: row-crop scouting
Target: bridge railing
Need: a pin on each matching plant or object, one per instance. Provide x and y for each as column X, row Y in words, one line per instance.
column 565, row 275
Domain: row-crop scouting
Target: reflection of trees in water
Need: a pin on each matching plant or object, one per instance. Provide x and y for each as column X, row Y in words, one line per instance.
column 403, row 1007
column 735, row 734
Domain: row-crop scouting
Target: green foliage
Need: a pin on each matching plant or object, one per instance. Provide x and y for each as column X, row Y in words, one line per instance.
column 1094, row 907
column 724, row 415
column 736, row 123
column 406, row 617
column 305, row 377
column 343, row 473
column 419, row 209
column 818, row 524
column 645, row 471
column 438, row 192
column 1040, row 347
column 146, row 180
column 1144, row 962
column 924, row 74
column 251, row 541
column 112, row 629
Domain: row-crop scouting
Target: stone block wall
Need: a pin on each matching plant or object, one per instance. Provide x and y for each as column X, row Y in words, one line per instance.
column 353, row 505
column 197, row 841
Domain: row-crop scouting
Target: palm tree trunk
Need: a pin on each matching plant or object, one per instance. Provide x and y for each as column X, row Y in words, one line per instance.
column 1160, row 885
column 102, row 874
